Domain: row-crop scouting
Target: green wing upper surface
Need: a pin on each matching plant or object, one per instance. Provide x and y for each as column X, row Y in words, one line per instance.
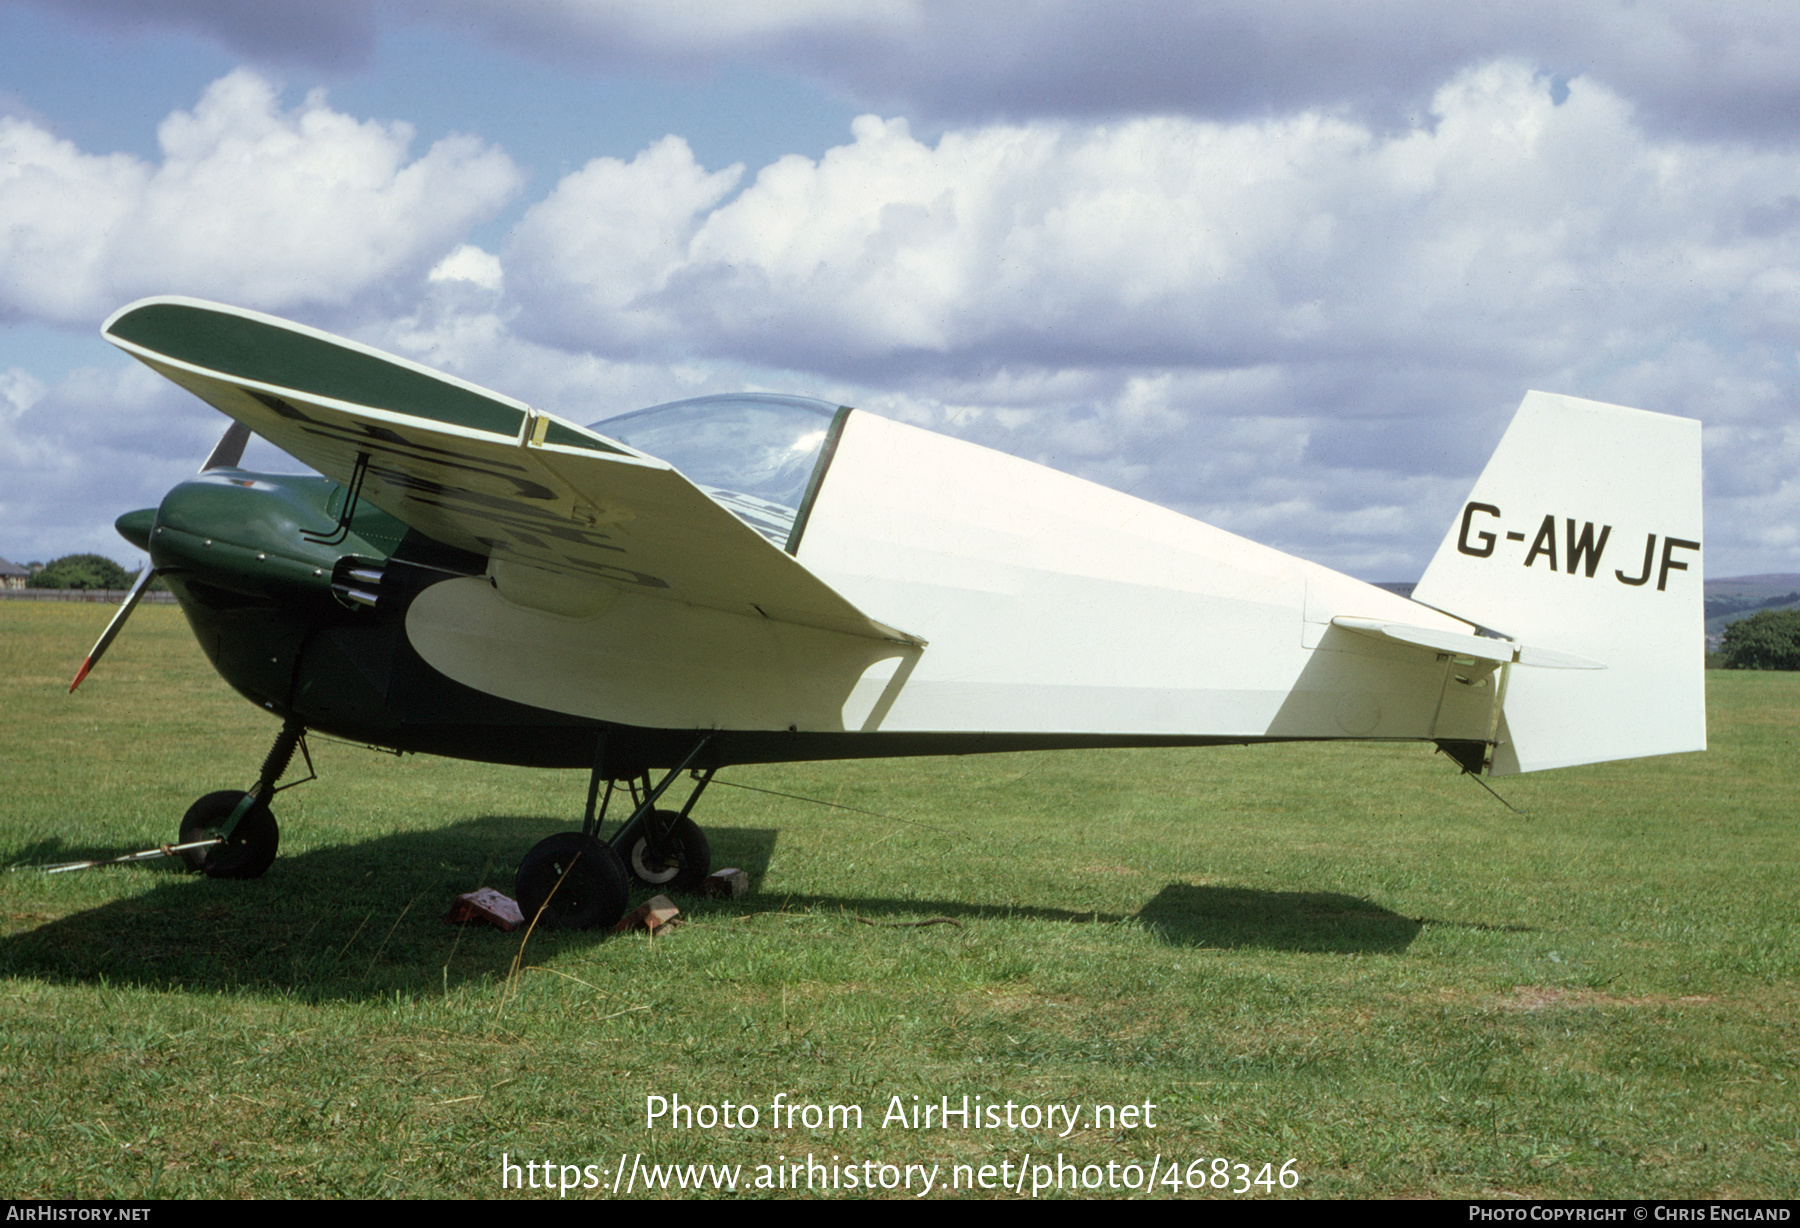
column 477, row 470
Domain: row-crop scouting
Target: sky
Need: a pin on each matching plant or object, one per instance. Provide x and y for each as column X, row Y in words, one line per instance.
column 1285, row 268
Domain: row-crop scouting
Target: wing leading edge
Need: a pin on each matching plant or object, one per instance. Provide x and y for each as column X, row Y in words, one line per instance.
column 567, row 517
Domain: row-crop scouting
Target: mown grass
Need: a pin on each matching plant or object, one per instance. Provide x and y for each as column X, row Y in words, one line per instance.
column 1341, row 954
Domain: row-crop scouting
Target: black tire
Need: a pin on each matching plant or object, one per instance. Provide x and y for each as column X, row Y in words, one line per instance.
column 247, row 854
column 571, row 882
column 689, row 859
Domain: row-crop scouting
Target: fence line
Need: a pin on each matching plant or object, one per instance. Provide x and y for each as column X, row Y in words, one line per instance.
column 107, row 596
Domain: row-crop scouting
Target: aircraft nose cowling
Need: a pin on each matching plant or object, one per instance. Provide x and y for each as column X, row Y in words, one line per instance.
column 135, row 527
column 254, row 534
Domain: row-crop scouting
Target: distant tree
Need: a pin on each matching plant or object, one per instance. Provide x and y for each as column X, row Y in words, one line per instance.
column 81, row 571
column 1769, row 640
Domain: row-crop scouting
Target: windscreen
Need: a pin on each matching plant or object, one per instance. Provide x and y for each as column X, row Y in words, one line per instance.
column 754, row 453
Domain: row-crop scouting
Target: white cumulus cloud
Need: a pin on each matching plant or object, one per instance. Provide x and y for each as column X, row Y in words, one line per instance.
column 1298, row 322
column 250, row 203
column 1512, row 230
column 1303, row 326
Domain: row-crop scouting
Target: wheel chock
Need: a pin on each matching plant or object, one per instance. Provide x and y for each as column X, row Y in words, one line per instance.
column 726, row 884
column 486, row 905
column 656, row 914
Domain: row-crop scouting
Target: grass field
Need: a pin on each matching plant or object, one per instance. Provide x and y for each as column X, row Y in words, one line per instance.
column 1344, row 956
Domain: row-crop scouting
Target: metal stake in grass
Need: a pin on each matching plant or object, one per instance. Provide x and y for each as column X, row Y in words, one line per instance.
column 161, row 850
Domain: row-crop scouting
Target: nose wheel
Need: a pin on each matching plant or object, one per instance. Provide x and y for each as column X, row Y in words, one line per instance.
column 249, row 848
column 242, row 824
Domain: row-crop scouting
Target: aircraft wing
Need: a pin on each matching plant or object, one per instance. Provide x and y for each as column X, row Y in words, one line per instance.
column 560, row 510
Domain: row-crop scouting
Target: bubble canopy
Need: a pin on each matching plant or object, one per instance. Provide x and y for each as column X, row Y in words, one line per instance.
column 755, row 453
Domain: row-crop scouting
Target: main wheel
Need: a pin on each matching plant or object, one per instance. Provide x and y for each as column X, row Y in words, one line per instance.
column 572, row 882
column 250, row 850
column 687, row 861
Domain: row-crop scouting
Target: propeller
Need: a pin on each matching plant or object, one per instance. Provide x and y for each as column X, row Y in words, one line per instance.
column 225, row 454
column 230, row 448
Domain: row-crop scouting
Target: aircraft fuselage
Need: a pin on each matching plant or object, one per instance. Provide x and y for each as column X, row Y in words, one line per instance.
column 317, row 632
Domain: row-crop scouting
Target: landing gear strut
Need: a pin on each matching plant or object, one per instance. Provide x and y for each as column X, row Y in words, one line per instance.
column 242, row 823
column 656, row 848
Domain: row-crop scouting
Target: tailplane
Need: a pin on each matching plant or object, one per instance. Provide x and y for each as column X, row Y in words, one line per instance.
column 1582, row 536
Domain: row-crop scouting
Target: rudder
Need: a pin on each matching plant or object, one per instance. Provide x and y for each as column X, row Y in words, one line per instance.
column 1582, row 535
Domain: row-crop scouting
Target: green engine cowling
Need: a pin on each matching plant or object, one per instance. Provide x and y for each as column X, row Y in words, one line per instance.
column 304, row 616
column 258, row 534
column 258, row 561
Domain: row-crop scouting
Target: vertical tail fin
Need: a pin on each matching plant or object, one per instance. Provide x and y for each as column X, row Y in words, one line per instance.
column 1582, row 535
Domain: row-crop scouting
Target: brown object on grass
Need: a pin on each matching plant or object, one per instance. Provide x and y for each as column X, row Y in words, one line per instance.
column 655, row 914
column 486, row 905
column 726, row 884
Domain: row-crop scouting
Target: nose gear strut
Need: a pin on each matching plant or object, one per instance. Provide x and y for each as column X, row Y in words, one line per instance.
column 233, row 834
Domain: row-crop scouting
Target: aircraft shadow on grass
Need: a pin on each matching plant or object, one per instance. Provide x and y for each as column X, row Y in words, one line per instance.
column 363, row 920
column 1319, row 921
column 1180, row 915
column 345, row 921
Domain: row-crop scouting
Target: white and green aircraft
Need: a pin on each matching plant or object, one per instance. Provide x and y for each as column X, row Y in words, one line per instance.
column 756, row 578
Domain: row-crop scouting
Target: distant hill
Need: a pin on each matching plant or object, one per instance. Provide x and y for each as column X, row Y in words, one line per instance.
column 1788, row 581
column 1727, row 599
column 1735, row 597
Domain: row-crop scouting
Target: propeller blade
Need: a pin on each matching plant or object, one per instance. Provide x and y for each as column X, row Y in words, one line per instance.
column 230, row 448
column 225, row 454
column 112, row 628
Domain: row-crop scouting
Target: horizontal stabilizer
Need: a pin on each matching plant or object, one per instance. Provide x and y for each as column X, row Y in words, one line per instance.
column 1481, row 647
